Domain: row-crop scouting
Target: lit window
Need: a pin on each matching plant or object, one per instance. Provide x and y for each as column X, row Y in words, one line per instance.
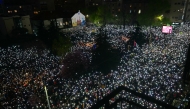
column 35, row 12
column 9, row 11
column 20, row 6
column 139, row 11
column 15, row 11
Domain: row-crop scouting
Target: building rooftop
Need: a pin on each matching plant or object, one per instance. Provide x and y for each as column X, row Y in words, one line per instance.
column 47, row 15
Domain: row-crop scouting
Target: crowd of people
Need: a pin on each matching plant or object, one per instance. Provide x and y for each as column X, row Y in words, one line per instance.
column 155, row 70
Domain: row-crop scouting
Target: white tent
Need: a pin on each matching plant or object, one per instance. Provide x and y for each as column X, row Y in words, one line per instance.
column 78, row 19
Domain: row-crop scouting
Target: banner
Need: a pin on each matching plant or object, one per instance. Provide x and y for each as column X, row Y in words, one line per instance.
column 167, row 29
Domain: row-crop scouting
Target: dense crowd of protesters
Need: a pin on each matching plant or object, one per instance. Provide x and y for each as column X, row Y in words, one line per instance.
column 154, row 70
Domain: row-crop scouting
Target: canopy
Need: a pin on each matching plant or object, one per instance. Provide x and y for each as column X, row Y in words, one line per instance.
column 78, row 19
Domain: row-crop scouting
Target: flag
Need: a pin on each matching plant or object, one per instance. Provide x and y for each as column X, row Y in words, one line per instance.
column 156, row 37
column 135, row 44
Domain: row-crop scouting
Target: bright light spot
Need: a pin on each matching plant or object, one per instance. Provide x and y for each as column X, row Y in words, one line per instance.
column 139, row 11
column 160, row 17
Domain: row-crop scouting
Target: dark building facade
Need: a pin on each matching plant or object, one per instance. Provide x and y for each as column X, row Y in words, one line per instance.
column 17, row 7
column 135, row 6
column 1, row 9
column 119, row 7
column 89, row 3
column 27, row 7
column 69, row 5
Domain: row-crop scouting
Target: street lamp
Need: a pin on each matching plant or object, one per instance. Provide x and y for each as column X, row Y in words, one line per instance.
column 87, row 18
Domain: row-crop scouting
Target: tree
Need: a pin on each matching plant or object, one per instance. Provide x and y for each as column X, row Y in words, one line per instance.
column 104, row 57
column 105, row 14
column 75, row 64
column 19, row 31
column 99, row 15
column 91, row 12
column 1, row 34
column 43, row 35
column 138, row 37
column 41, row 31
column 61, row 45
column 162, row 21
column 124, row 17
column 48, row 35
column 53, row 29
column 147, row 17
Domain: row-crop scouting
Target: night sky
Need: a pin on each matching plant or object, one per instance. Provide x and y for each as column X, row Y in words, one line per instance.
column 1, row 1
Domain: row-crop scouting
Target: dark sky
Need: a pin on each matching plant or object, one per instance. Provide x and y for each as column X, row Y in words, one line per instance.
column 1, row 1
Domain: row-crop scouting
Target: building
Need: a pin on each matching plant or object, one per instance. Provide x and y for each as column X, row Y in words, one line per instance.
column 135, row 6
column 27, row 7
column 34, row 7
column 63, row 20
column 45, row 5
column 7, row 24
column 17, row 7
column 126, row 11
column 176, row 11
column 13, row 10
column 115, row 6
column 69, row 5
column 89, row 3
